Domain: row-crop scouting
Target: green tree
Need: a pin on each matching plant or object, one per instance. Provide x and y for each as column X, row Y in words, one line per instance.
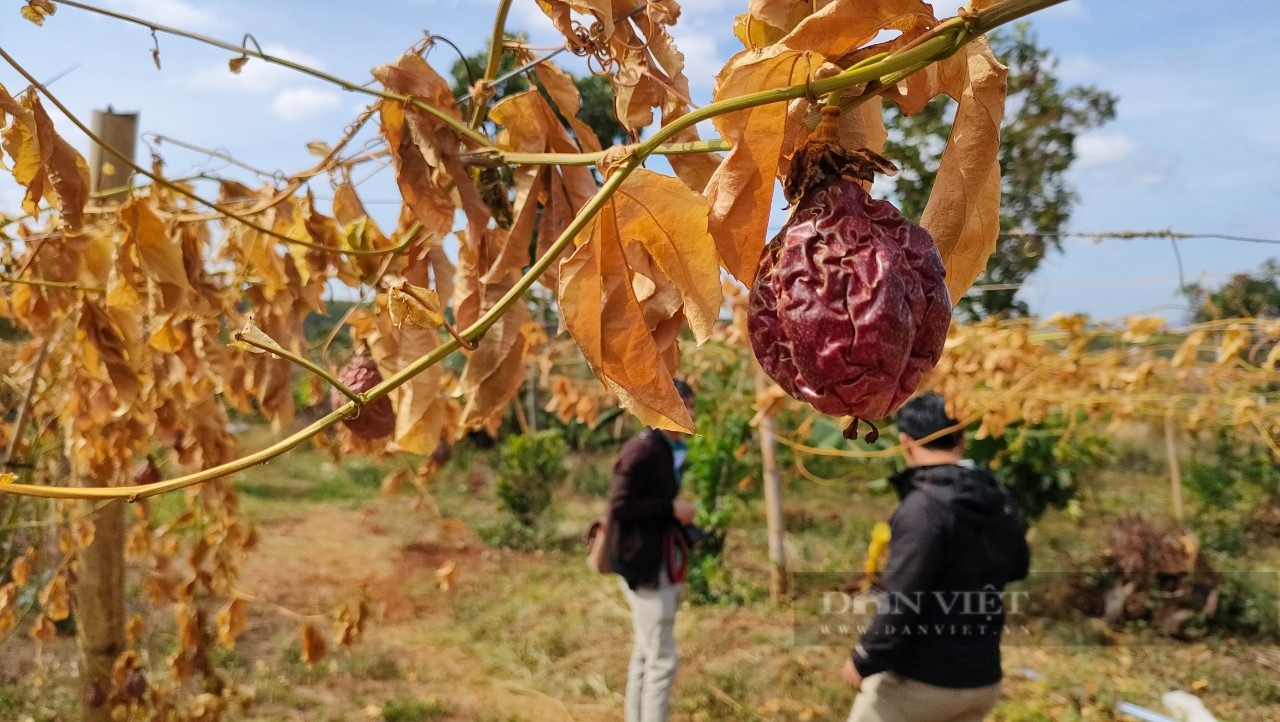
column 1244, row 296
column 1042, row 119
column 596, row 91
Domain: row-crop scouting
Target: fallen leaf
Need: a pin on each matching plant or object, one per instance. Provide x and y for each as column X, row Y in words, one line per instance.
column 348, row 622
column 313, row 645
column 447, row 575
column 231, row 622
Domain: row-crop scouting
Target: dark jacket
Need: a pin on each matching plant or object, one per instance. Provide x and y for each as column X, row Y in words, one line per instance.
column 955, row 542
column 640, row 514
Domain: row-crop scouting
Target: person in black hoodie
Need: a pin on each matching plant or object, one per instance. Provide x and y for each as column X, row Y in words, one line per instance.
column 932, row 652
column 644, row 514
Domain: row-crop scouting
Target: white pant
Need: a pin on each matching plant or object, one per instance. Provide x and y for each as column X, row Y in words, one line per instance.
column 890, row 697
column 652, row 672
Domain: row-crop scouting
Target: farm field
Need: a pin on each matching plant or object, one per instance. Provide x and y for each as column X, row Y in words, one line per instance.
column 558, row 650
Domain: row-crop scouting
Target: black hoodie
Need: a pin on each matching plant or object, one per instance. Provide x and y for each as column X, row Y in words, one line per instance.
column 956, row 541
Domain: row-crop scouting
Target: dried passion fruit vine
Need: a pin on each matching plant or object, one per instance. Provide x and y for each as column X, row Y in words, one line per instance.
column 1215, row 375
column 880, row 69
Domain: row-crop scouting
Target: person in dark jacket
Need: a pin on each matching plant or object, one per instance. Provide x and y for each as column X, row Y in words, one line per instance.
column 643, row 515
column 932, row 652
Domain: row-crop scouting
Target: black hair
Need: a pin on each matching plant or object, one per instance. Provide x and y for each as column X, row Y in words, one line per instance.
column 684, row 389
column 926, row 415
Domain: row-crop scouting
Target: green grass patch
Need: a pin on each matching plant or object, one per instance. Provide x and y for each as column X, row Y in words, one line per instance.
column 413, row 710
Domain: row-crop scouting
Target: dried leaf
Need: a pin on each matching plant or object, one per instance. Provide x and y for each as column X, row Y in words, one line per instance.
column 741, row 189
column 37, row 10
column 106, row 342
column 424, row 414
column 20, row 570
column 313, row 645
column 231, row 622
column 55, row 601
column 559, row 12
column 43, row 161
column 319, row 148
column 250, row 332
column 418, row 142
column 530, row 125
column 604, row 299
column 845, row 25
column 133, row 628
column 559, row 85
column 237, row 64
column 348, row 622
column 963, row 212
column 44, row 630
column 447, row 575
column 160, row 253
column 419, row 307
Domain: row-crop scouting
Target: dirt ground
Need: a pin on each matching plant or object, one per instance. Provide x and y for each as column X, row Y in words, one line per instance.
column 533, row 637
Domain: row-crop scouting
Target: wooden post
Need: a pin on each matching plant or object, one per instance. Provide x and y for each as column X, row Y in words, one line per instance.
column 108, row 171
column 99, row 608
column 1175, row 472
column 99, row 588
column 772, row 499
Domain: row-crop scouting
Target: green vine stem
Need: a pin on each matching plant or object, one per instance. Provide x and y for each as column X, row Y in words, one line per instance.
column 951, row 36
column 183, row 191
column 244, row 50
column 494, row 156
column 302, row 361
column 479, row 109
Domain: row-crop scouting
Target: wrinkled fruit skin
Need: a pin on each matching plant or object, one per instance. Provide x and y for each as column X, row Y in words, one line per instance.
column 377, row 419
column 849, row 307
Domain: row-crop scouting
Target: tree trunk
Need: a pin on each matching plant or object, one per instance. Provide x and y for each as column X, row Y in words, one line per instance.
column 99, row 608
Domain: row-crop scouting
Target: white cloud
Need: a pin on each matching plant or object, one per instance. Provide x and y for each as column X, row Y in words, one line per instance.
column 702, row 60
column 303, row 103
column 1101, row 149
column 11, row 198
column 1073, row 10
column 257, row 76
column 1081, row 69
column 184, row 15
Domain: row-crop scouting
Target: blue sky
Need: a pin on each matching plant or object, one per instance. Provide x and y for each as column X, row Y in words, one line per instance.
column 1193, row 146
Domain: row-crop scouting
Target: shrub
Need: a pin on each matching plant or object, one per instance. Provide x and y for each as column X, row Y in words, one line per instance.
column 531, row 466
column 1039, row 463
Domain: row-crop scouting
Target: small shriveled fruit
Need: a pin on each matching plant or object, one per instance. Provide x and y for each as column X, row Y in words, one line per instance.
column 377, row 419
column 849, row 308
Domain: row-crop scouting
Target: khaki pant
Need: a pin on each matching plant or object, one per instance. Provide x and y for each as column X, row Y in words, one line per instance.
column 652, row 672
column 890, row 697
